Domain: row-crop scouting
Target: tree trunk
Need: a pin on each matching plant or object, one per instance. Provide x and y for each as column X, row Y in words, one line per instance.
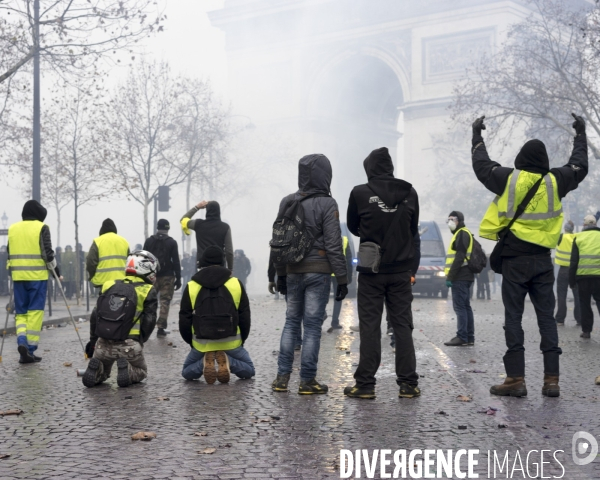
column 57, row 226
column 78, row 252
column 146, row 203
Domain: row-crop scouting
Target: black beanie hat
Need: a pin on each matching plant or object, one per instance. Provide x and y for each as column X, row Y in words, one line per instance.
column 163, row 224
column 108, row 226
column 213, row 255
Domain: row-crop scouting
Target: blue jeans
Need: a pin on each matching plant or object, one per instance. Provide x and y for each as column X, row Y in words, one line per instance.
column 307, row 296
column 461, row 301
column 239, row 364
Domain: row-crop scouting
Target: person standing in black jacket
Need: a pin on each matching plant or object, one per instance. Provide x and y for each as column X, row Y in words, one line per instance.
column 526, row 263
column 168, row 278
column 372, row 212
column 211, row 231
column 459, row 278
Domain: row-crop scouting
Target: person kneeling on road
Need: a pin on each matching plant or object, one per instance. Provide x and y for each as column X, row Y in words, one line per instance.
column 214, row 319
column 122, row 321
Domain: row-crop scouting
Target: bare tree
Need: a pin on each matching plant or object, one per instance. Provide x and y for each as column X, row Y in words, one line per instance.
column 144, row 137
column 546, row 69
column 74, row 34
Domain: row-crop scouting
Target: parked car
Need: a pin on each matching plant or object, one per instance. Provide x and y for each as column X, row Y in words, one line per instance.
column 431, row 279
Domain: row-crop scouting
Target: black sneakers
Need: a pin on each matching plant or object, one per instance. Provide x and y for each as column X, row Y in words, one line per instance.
column 161, row 332
column 280, row 384
column 585, row 335
column 358, row 392
column 311, row 387
column 408, row 391
column 123, row 379
column 26, row 357
column 456, row 342
column 331, row 329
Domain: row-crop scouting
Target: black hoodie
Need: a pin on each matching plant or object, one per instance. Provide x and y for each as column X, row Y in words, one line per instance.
column 212, row 277
column 211, row 231
column 532, row 158
column 108, row 226
column 372, row 207
column 32, row 210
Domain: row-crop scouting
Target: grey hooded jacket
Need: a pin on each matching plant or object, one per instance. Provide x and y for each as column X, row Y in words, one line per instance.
column 322, row 220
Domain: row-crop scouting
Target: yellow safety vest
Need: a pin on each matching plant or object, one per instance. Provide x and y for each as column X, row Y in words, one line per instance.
column 588, row 243
column 25, row 252
column 542, row 220
column 451, row 254
column 563, row 250
column 112, row 256
column 142, row 289
column 345, row 246
column 229, row 343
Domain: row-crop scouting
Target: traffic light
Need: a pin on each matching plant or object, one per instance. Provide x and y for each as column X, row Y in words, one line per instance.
column 163, row 199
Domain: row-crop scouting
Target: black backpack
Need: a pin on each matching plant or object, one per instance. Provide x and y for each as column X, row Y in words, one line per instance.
column 215, row 315
column 115, row 311
column 291, row 240
column 478, row 260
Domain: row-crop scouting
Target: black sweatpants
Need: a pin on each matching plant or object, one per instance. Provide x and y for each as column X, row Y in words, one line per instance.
column 562, row 288
column 588, row 288
column 373, row 290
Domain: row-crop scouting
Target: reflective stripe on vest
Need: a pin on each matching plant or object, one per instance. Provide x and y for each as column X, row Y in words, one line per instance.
column 542, row 220
column 142, row 289
column 588, row 243
column 112, row 258
column 345, row 246
column 451, row 255
column 229, row 343
column 562, row 256
column 25, row 254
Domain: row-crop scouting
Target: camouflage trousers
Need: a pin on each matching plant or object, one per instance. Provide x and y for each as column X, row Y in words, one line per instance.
column 165, row 286
column 108, row 351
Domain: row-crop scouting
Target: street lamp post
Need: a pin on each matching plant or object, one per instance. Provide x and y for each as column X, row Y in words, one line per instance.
column 36, row 191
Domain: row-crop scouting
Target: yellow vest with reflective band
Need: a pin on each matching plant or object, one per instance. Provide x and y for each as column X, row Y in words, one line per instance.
column 542, row 220
column 229, row 343
column 142, row 289
column 588, row 243
column 562, row 256
column 451, row 254
column 345, row 245
column 112, row 258
column 25, row 253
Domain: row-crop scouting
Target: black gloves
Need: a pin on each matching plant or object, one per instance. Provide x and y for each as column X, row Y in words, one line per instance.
column 478, row 126
column 272, row 288
column 178, row 283
column 282, row 285
column 578, row 124
column 341, row 293
column 89, row 349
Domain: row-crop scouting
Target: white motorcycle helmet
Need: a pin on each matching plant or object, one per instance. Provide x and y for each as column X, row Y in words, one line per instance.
column 142, row 264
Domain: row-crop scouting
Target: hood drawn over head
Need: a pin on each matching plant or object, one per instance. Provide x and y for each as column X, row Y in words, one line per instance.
column 213, row 210
column 108, row 226
column 380, row 172
column 460, row 216
column 314, row 174
column 533, row 157
column 33, row 210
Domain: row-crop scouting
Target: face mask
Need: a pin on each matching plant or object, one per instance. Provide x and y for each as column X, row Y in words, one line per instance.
column 451, row 225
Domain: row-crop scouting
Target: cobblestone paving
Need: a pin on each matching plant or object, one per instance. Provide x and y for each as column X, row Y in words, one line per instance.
column 68, row 431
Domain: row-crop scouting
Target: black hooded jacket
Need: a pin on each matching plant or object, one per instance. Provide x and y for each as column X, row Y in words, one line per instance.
column 372, row 211
column 321, row 215
column 532, row 158
column 165, row 249
column 458, row 271
column 212, row 277
column 33, row 210
column 211, row 231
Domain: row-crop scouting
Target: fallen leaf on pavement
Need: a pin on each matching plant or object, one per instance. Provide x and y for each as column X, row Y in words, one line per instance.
column 16, row 411
column 144, row 436
column 4, row 455
column 472, row 361
column 227, row 445
column 68, row 364
column 170, row 344
column 208, row 450
column 163, row 399
column 464, row 398
column 200, row 434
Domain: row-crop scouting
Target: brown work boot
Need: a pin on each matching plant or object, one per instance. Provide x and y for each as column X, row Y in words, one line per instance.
column 210, row 372
column 223, row 367
column 551, row 387
column 512, row 387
